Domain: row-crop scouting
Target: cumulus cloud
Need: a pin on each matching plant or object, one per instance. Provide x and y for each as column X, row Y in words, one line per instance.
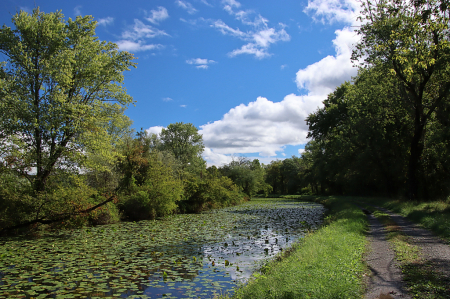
column 158, row 15
column 322, row 77
column 135, row 38
column 167, row 99
column 266, row 127
column 186, row 6
column 200, row 63
column 262, row 126
column 105, row 21
column 155, row 130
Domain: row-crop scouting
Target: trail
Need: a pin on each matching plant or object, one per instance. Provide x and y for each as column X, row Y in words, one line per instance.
column 386, row 280
column 386, row 277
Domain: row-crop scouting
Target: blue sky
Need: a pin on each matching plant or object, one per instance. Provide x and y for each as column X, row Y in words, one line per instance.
column 246, row 73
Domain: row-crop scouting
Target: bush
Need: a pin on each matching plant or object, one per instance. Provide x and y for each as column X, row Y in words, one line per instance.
column 156, row 196
column 204, row 194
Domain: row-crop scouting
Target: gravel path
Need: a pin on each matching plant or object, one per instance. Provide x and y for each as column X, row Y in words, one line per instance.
column 386, row 279
column 433, row 249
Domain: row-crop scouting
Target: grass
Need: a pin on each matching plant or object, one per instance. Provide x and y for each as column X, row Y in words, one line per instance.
column 421, row 278
column 324, row 264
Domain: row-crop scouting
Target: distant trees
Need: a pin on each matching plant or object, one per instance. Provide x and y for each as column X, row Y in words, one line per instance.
column 248, row 175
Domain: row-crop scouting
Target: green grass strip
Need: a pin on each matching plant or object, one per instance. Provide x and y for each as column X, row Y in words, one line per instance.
column 324, row 264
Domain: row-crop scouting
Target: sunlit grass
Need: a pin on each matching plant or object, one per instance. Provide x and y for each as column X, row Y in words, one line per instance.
column 325, row 264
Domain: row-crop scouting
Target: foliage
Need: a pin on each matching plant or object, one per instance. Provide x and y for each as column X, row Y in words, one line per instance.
column 287, row 176
column 149, row 188
column 186, row 145
column 410, row 39
column 207, row 193
column 247, row 175
column 62, row 105
column 362, row 137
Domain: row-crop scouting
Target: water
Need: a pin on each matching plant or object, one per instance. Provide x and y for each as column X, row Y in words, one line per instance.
column 184, row 256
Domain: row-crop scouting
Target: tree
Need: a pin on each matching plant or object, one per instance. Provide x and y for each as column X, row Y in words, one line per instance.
column 411, row 39
column 185, row 143
column 248, row 175
column 61, row 96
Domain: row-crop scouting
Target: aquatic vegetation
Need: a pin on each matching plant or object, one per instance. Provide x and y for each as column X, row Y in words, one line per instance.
column 192, row 255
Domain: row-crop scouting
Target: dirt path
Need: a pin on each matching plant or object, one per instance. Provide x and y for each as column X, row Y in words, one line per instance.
column 433, row 249
column 386, row 279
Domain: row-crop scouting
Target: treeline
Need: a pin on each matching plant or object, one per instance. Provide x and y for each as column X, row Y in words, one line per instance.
column 67, row 154
column 387, row 132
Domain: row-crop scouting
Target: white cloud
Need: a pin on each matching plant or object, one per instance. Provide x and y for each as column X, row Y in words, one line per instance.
column 259, row 37
column 135, row 39
column 283, row 66
column 158, row 15
column 200, row 63
column 105, row 21
column 301, row 151
column 77, row 10
column 167, row 99
column 131, row 46
column 232, row 3
column 261, row 126
column 187, row 6
column 155, row 130
column 266, row 127
column 140, row 30
column 330, row 11
column 206, row 3
column 227, row 30
column 183, row 106
column 322, row 77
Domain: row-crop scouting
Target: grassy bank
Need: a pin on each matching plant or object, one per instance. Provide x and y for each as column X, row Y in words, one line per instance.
column 325, row 264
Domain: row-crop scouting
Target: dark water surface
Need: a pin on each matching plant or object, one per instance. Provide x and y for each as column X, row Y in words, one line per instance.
column 184, row 256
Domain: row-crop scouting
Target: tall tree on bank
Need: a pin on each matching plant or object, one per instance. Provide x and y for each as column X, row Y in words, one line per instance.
column 411, row 39
column 186, row 144
column 61, row 95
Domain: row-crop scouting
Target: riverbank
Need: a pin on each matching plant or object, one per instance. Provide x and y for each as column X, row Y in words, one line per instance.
column 330, row 262
column 324, row 264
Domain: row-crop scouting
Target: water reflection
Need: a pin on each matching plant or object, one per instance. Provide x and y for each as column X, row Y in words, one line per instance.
column 185, row 256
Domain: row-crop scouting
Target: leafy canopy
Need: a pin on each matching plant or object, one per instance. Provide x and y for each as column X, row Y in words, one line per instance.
column 62, row 97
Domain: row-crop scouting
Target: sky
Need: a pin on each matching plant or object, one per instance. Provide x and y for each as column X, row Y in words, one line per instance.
column 245, row 73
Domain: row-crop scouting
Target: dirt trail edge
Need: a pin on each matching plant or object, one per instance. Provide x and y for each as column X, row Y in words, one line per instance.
column 386, row 279
column 433, row 249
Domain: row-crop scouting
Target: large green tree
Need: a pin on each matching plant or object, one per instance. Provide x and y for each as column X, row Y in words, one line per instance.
column 410, row 37
column 186, row 144
column 62, row 87
column 62, row 96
